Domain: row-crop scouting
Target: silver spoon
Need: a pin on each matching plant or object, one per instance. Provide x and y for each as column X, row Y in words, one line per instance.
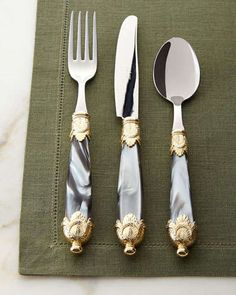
column 176, row 76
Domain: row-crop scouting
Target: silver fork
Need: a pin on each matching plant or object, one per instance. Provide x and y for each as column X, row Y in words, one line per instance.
column 77, row 224
column 80, row 69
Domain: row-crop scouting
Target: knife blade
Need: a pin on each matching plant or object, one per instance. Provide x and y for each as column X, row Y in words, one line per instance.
column 126, row 70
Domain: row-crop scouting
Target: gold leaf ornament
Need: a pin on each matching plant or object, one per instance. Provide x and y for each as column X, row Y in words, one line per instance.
column 178, row 143
column 130, row 132
column 182, row 233
column 80, row 126
column 130, row 232
column 77, row 230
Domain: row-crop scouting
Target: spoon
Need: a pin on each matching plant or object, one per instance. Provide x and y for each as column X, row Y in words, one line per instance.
column 176, row 76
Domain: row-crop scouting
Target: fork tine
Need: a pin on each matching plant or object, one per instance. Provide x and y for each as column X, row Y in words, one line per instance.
column 70, row 43
column 86, row 47
column 94, row 37
column 78, row 54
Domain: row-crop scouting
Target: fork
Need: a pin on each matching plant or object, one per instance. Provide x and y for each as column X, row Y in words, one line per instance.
column 77, row 223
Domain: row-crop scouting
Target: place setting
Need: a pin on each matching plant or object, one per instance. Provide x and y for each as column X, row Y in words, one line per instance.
column 176, row 76
column 123, row 187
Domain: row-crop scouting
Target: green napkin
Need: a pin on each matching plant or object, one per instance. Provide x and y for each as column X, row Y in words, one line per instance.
column 209, row 117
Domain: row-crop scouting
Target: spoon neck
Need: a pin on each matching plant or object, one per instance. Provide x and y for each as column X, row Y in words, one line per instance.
column 178, row 121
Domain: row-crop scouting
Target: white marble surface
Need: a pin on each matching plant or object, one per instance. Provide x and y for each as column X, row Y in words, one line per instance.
column 17, row 28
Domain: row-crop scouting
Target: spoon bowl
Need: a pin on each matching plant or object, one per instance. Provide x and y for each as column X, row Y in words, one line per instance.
column 176, row 71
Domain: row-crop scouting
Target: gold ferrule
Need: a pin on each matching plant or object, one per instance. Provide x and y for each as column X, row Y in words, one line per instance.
column 80, row 127
column 130, row 232
column 77, row 231
column 182, row 232
column 179, row 144
column 130, row 134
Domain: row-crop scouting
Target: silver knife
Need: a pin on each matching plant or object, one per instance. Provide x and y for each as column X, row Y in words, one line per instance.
column 129, row 226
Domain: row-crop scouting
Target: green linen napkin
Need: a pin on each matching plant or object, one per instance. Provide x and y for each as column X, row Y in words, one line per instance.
column 209, row 117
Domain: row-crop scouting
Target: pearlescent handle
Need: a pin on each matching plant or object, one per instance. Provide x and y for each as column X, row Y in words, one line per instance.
column 77, row 224
column 180, row 197
column 130, row 227
column 78, row 186
column 181, row 227
column 129, row 184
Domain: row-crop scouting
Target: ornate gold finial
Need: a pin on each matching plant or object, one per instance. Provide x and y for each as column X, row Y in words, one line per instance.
column 182, row 233
column 178, row 143
column 77, row 230
column 130, row 232
column 80, row 126
column 130, row 131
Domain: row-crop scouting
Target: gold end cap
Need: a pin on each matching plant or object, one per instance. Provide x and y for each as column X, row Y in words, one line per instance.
column 77, row 230
column 129, row 249
column 182, row 251
column 130, row 232
column 76, row 247
column 182, row 233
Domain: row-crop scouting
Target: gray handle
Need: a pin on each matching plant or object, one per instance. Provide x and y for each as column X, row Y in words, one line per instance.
column 78, row 186
column 180, row 198
column 129, row 184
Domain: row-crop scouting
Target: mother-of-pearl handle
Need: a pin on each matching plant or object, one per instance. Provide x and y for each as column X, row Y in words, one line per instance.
column 130, row 226
column 77, row 224
column 181, row 227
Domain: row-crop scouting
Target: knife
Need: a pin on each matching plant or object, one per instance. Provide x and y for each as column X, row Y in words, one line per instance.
column 130, row 225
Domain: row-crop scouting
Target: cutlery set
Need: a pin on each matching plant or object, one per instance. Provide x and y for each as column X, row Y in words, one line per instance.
column 176, row 76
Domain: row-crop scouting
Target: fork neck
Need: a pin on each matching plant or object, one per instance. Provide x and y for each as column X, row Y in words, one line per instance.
column 81, row 102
